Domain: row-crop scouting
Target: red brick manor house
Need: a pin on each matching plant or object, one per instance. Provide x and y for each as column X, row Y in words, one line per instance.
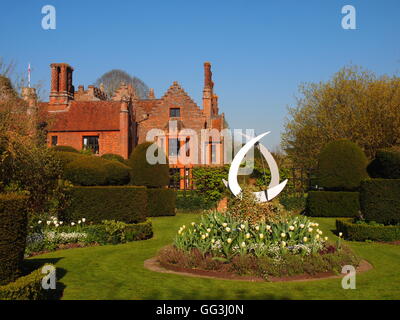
column 90, row 119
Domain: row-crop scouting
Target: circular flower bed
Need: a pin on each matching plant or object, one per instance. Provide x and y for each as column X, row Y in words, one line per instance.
column 294, row 245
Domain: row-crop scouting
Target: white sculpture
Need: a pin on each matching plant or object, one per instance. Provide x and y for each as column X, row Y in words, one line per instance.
column 274, row 187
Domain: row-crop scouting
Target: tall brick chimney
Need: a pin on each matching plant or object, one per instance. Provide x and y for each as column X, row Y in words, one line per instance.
column 208, row 90
column 124, row 127
column 62, row 89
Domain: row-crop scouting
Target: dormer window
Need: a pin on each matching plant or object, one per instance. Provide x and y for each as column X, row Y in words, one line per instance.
column 174, row 112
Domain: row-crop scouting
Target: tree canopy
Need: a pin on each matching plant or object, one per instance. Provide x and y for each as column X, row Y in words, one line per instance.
column 113, row 79
column 355, row 105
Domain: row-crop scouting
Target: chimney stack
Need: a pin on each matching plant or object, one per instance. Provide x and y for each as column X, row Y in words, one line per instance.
column 208, row 90
column 62, row 89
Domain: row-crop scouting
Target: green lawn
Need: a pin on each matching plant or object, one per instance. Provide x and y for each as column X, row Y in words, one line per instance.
column 117, row 272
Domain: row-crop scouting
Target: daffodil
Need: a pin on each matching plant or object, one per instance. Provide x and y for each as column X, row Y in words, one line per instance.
column 283, row 244
column 242, row 226
column 247, row 235
column 302, row 226
column 326, row 238
column 224, row 224
column 203, row 236
column 229, row 240
column 310, row 229
column 283, row 235
column 340, row 234
column 243, row 244
column 228, row 229
column 257, row 228
column 261, row 236
column 208, row 230
column 305, row 239
column 291, row 228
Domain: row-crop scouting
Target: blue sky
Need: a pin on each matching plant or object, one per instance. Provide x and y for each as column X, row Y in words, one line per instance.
column 260, row 50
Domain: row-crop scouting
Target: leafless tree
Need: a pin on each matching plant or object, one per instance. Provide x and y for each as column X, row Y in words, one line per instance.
column 113, row 79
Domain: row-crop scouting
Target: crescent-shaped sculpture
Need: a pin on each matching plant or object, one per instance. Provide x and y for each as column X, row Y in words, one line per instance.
column 274, row 187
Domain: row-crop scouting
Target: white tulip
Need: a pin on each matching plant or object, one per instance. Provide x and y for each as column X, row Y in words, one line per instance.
column 229, row 240
column 39, row 222
column 283, row 235
column 224, row 224
column 291, row 228
column 83, row 219
column 261, row 236
column 247, row 235
column 305, row 239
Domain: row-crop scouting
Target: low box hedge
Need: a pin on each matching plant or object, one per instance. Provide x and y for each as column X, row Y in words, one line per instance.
column 361, row 232
column 332, row 204
column 132, row 232
column 193, row 201
column 28, row 287
column 13, row 232
column 380, row 200
column 121, row 203
column 161, row 202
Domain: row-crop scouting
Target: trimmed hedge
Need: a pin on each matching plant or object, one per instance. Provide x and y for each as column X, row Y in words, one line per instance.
column 380, row 200
column 341, row 166
column 114, row 157
column 13, row 232
column 193, row 201
column 121, row 203
column 86, row 171
column 144, row 173
column 362, row 232
column 67, row 157
column 161, row 202
column 132, row 232
column 386, row 164
column 95, row 171
column 64, row 149
column 28, row 287
column 117, row 173
column 332, row 204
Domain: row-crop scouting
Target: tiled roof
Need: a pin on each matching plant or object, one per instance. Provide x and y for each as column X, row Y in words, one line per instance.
column 86, row 116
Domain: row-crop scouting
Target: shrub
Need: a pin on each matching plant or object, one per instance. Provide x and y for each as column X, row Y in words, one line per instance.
column 28, row 287
column 144, row 173
column 341, row 166
column 13, row 231
column 333, row 204
column 208, row 181
column 380, row 200
column 86, row 171
column 363, row 231
column 161, row 202
column 121, row 203
column 67, row 157
column 114, row 157
column 247, row 208
column 64, row 149
column 117, row 173
column 193, row 201
column 386, row 164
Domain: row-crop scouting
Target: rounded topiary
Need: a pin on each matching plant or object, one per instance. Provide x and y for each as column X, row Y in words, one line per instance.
column 67, row 157
column 386, row 164
column 87, row 171
column 341, row 166
column 117, row 173
column 64, row 149
column 144, row 173
column 114, row 157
